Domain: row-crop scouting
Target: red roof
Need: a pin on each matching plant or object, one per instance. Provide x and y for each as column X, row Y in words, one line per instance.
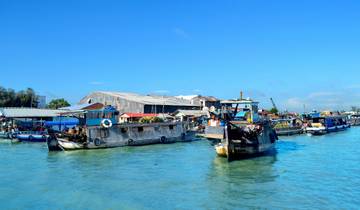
column 139, row 115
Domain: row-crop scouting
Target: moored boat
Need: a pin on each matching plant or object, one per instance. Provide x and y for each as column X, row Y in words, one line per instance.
column 287, row 127
column 247, row 136
column 327, row 124
column 4, row 135
column 99, row 129
column 354, row 119
column 32, row 136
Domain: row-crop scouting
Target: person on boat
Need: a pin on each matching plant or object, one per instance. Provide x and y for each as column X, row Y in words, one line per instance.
column 213, row 122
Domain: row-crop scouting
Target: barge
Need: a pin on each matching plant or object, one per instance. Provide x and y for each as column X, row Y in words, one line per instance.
column 99, row 129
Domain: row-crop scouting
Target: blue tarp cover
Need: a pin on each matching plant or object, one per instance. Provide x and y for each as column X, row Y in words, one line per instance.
column 241, row 114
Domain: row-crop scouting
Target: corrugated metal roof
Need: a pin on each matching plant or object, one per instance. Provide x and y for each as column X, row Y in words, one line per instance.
column 137, row 115
column 195, row 113
column 150, row 99
column 29, row 112
column 79, row 106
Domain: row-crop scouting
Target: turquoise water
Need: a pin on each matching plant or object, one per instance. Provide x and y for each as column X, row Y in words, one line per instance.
column 306, row 173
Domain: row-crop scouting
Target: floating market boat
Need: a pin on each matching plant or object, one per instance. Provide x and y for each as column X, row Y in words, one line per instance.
column 32, row 136
column 354, row 119
column 4, row 135
column 99, row 129
column 324, row 125
column 287, row 127
column 246, row 134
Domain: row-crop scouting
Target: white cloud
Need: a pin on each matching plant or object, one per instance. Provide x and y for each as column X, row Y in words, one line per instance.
column 161, row 91
column 180, row 32
column 326, row 100
column 353, row 86
column 315, row 95
column 96, row 83
column 294, row 103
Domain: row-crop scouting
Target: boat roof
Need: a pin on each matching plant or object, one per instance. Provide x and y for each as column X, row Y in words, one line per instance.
column 243, row 101
column 288, row 119
column 330, row 117
column 20, row 112
column 73, row 112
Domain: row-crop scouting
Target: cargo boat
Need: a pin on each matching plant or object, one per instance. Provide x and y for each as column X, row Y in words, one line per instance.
column 354, row 119
column 99, row 129
column 328, row 124
column 32, row 136
column 288, row 127
column 247, row 135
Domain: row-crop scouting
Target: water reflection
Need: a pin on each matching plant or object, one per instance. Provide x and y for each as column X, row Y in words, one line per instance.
column 235, row 181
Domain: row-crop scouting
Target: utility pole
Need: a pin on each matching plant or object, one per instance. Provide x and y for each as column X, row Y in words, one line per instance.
column 304, row 109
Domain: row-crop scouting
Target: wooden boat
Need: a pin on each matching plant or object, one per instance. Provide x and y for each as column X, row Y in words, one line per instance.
column 354, row 119
column 32, row 136
column 4, row 135
column 328, row 124
column 69, row 145
column 287, row 127
column 96, row 133
column 248, row 135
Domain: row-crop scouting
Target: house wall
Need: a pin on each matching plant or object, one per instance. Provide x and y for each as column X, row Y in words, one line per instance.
column 166, row 108
column 122, row 105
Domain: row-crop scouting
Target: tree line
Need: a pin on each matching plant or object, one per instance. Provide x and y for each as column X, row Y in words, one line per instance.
column 26, row 98
column 22, row 98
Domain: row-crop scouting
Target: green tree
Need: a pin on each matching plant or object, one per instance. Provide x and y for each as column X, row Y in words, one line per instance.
column 23, row 98
column 274, row 111
column 58, row 103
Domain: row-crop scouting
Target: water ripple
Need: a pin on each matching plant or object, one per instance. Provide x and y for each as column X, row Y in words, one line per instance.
column 304, row 173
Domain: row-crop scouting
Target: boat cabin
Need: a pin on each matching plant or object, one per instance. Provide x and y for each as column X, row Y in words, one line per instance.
column 91, row 117
column 287, row 123
column 241, row 110
column 95, row 117
column 328, row 122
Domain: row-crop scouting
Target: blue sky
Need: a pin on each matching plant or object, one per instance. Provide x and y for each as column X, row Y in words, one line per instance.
column 298, row 52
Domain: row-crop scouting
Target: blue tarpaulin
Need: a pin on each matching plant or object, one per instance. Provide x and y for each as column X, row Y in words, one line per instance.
column 63, row 123
column 241, row 114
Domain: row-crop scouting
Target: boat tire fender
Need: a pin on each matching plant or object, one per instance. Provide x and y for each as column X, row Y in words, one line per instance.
column 183, row 136
column 31, row 137
column 97, row 142
column 130, row 141
column 106, row 123
column 163, row 139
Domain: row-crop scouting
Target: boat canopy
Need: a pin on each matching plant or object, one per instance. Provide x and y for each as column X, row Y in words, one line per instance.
column 62, row 123
column 249, row 102
column 241, row 107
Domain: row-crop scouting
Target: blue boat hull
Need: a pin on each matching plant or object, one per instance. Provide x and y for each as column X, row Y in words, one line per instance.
column 30, row 138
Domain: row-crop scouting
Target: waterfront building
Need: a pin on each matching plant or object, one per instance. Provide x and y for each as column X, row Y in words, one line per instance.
column 204, row 101
column 41, row 102
column 136, row 103
column 29, row 113
column 185, row 115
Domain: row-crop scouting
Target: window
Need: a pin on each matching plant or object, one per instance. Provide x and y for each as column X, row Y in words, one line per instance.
column 140, row 129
